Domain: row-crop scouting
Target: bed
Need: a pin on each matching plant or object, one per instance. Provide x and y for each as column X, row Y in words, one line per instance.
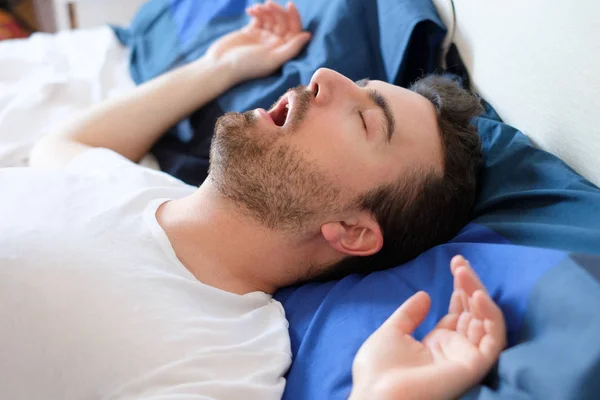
column 535, row 234
column 48, row 77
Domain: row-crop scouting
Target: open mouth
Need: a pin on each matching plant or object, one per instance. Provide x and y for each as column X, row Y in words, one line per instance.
column 281, row 111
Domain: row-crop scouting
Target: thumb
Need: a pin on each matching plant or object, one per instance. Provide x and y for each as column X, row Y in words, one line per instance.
column 410, row 314
column 292, row 47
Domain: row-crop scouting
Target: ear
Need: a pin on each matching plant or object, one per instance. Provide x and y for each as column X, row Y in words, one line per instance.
column 359, row 235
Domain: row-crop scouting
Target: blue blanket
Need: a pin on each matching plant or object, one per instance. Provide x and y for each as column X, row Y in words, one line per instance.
column 534, row 240
column 395, row 41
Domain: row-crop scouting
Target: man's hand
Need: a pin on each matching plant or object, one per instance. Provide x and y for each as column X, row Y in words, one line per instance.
column 273, row 36
column 454, row 356
column 132, row 123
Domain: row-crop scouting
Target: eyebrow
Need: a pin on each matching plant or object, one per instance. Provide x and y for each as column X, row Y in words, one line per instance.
column 380, row 101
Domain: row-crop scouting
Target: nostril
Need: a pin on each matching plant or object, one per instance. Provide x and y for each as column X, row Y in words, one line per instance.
column 316, row 89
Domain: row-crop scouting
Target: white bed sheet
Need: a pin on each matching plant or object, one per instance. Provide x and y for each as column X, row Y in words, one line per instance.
column 49, row 78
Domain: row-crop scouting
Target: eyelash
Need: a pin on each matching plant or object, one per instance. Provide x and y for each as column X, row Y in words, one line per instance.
column 362, row 118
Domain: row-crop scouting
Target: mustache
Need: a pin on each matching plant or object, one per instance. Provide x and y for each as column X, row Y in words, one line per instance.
column 300, row 91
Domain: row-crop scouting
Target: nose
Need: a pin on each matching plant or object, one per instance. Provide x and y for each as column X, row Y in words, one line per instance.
column 331, row 86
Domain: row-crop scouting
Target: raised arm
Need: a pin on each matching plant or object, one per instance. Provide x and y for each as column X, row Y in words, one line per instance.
column 131, row 124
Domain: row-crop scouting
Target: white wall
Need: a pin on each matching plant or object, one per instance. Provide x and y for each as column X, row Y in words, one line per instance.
column 538, row 63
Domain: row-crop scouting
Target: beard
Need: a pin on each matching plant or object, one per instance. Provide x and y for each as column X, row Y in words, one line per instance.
column 267, row 178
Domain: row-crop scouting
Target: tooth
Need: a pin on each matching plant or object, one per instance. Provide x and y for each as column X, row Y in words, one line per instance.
column 287, row 106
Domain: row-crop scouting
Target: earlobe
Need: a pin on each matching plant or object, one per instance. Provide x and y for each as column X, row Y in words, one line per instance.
column 360, row 237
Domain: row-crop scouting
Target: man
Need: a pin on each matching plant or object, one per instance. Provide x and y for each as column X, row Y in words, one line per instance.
column 121, row 282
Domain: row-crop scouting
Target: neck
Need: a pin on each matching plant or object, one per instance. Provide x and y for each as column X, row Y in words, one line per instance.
column 228, row 250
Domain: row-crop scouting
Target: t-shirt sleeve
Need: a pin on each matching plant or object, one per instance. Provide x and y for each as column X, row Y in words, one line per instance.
column 108, row 164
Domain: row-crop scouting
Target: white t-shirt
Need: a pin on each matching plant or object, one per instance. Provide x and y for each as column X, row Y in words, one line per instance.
column 94, row 303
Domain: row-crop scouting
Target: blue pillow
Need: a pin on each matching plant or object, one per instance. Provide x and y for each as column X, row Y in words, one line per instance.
column 531, row 213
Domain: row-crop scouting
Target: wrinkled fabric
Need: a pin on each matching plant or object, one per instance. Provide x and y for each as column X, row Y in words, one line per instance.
column 534, row 239
column 394, row 41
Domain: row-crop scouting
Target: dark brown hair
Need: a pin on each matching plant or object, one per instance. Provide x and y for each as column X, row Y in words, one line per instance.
column 424, row 208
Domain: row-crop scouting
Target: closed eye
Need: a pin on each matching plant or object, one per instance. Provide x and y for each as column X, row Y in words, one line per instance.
column 362, row 118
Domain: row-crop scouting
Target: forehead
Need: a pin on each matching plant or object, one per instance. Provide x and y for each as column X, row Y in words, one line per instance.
column 416, row 137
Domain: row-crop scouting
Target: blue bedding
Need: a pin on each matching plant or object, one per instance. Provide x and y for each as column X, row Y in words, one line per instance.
column 395, row 41
column 535, row 243
column 534, row 239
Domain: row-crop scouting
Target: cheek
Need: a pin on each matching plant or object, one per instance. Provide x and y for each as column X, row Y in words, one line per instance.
column 340, row 152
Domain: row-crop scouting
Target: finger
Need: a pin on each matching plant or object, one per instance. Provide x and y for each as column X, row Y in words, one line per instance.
column 487, row 308
column 294, row 20
column 467, row 280
column 258, row 11
column 465, row 276
column 475, row 331
column 494, row 339
column 456, row 262
column 281, row 21
column 292, row 47
column 251, row 11
column 462, row 325
column 473, row 310
column 455, row 306
column 410, row 314
column 491, row 345
column 464, row 301
column 255, row 22
column 267, row 17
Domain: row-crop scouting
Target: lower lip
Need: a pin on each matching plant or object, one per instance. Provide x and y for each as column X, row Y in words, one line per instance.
column 264, row 114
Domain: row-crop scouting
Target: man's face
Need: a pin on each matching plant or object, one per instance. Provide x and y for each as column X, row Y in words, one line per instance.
column 322, row 146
